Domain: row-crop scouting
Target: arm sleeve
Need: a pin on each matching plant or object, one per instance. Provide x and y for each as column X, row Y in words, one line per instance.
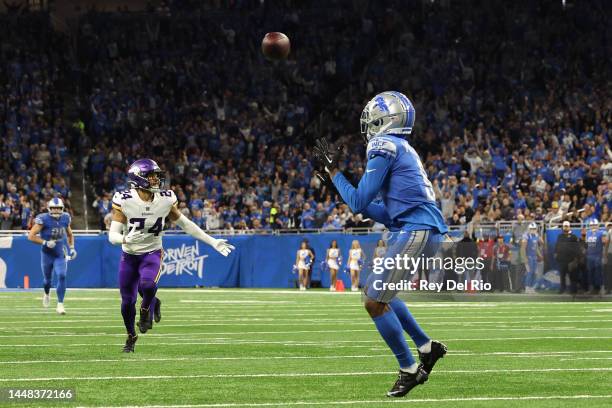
column 115, row 233
column 369, row 185
column 192, row 229
column 378, row 212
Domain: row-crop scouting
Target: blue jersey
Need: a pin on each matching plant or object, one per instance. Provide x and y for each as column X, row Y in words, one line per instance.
column 54, row 229
column 594, row 241
column 533, row 242
column 394, row 172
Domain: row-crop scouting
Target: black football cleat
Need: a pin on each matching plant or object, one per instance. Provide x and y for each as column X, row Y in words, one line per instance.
column 145, row 322
column 157, row 311
column 130, row 343
column 428, row 360
column 407, row 381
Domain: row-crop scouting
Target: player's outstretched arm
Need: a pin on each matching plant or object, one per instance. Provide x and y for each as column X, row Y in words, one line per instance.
column 220, row 245
column 370, row 184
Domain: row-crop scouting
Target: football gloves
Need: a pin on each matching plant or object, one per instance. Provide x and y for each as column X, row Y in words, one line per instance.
column 72, row 253
column 134, row 236
column 223, row 247
column 49, row 244
column 327, row 157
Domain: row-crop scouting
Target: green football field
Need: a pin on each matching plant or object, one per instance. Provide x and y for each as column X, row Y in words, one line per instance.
column 239, row 348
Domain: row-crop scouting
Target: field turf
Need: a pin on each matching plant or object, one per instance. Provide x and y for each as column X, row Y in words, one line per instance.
column 239, row 348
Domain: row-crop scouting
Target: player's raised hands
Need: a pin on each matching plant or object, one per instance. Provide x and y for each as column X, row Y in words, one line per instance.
column 223, row 247
column 326, row 156
column 134, row 236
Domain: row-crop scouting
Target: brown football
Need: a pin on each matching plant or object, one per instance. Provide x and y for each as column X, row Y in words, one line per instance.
column 275, row 46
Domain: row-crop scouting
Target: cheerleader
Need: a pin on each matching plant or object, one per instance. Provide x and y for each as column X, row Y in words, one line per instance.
column 302, row 262
column 356, row 258
column 381, row 249
column 333, row 260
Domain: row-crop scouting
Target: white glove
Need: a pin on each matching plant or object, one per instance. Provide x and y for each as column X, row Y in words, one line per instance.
column 223, row 247
column 72, row 253
column 49, row 244
column 134, row 237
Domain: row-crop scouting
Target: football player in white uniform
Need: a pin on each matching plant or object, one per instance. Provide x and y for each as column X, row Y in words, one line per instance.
column 141, row 212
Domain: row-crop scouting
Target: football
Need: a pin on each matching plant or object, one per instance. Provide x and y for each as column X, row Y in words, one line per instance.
column 275, row 46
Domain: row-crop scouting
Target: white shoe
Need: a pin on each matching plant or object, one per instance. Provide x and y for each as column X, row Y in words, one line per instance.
column 60, row 309
column 46, row 300
column 354, row 289
column 302, row 288
column 332, row 288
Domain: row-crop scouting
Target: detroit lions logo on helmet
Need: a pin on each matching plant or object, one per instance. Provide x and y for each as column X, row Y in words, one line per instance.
column 388, row 112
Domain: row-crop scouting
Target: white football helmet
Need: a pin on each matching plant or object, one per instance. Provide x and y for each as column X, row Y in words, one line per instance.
column 388, row 112
column 533, row 226
column 55, row 206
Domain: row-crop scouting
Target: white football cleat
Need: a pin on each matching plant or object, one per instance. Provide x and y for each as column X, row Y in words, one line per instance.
column 354, row 289
column 60, row 309
column 46, row 300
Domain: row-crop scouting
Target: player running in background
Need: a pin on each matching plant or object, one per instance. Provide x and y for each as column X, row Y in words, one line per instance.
column 355, row 261
column 408, row 209
column 531, row 249
column 142, row 211
column 57, row 247
column 303, row 260
column 332, row 258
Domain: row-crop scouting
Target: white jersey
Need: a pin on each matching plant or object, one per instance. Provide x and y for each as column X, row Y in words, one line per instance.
column 302, row 254
column 355, row 256
column 146, row 216
column 332, row 258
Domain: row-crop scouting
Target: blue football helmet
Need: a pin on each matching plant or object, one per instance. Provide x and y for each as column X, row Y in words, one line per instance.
column 388, row 112
column 147, row 175
column 55, row 207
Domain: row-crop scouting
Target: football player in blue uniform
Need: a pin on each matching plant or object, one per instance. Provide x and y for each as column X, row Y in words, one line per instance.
column 396, row 192
column 531, row 247
column 53, row 232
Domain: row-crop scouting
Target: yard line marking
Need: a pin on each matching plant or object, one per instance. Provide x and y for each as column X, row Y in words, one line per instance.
column 291, row 375
column 366, row 322
column 321, row 343
column 381, row 401
column 586, row 358
column 451, row 353
column 241, row 333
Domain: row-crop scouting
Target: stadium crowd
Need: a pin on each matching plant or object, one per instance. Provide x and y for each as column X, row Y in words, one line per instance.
column 512, row 100
column 516, row 129
column 35, row 161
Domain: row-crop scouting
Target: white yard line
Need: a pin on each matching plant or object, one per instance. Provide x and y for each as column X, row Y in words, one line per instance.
column 322, row 343
column 373, row 402
column 543, row 354
column 291, row 375
column 241, row 333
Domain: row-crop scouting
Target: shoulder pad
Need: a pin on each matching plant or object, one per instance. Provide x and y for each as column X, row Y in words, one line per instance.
column 40, row 219
column 119, row 197
column 381, row 146
column 67, row 217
